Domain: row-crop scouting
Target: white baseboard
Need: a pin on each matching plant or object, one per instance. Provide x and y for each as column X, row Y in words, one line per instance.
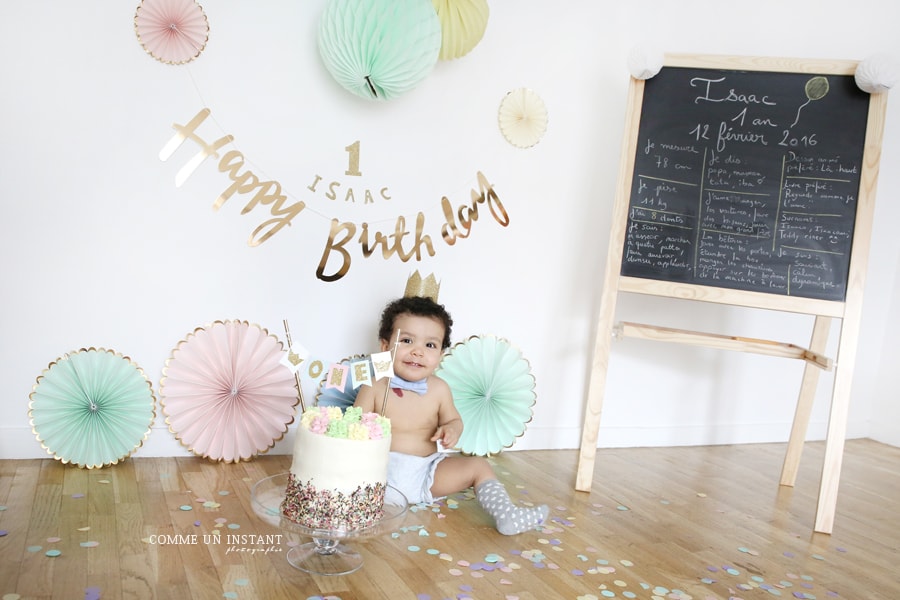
column 19, row 443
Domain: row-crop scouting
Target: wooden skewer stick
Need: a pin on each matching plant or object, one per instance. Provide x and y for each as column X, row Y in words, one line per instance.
column 387, row 386
column 287, row 335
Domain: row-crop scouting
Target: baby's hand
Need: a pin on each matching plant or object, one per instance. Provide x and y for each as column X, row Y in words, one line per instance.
column 447, row 434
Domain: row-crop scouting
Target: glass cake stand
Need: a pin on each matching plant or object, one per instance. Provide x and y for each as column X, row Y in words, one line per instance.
column 327, row 553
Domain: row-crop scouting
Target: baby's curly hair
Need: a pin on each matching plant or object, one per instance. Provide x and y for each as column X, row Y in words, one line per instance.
column 417, row 306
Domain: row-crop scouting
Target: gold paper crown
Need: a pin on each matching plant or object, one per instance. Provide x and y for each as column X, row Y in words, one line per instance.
column 425, row 288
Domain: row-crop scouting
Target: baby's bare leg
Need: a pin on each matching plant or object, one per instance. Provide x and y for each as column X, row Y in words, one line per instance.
column 457, row 473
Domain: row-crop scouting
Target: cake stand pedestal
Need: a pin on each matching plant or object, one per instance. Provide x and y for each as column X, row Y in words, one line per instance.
column 328, row 553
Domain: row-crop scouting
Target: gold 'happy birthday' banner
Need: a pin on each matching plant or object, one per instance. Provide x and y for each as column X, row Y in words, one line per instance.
column 457, row 224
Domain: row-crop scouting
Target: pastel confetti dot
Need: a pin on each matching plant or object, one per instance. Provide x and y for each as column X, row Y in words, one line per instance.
column 242, row 582
column 233, row 526
column 732, row 571
column 620, row 583
column 53, row 540
column 11, row 597
column 52, row 553
column 3, row 532
column 455, row 572
column 629, row 594
column 34, row 548
column 445, row 556
column 196, row 523
column 92, row 593
column 440, row 534
column 90, row 544
column 608, row 594
column 186, row 507
column 230, row 595
column 621, row 507
column 211, row 504
column 413, row 548
column 505, row 582
column 818, row 557
column 221, row 520
column 76, row 496
column 477, row 574
column 224, row 492
column 84, row 529
column 103, row 481
column 626, row 563
column 2, row 508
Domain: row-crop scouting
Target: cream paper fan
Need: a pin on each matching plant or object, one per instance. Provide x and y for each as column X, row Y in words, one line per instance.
column 522, row 117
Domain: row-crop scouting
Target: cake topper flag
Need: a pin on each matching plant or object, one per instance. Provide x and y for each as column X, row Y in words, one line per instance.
column 383, row 364
column 289, row 360
column 294, row 357
column 360, row 373
column 337, row 376
column 426, row 288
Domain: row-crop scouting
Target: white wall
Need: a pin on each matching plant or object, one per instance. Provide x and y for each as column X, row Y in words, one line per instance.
column 99, row 248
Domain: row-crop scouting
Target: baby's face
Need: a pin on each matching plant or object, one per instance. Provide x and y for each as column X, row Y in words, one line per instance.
column 418, row 341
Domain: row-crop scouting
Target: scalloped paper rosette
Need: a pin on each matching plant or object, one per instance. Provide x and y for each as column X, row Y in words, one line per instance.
column 493, row 390
column 463, row 23
column 171, row 31
column 225, row 393
column 522, row 118
column 379, row 49
column 92, row 408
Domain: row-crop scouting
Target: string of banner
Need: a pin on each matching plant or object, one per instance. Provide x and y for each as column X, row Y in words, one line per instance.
column 360, row 370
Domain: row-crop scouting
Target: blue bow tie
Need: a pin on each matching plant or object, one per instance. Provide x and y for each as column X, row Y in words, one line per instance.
column 420, row 387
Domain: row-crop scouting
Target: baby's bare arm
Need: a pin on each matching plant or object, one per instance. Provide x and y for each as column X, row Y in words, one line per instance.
column 365, row 399
column 450, row 424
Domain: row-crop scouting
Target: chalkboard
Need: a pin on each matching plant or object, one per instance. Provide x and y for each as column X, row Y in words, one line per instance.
column 747, row 180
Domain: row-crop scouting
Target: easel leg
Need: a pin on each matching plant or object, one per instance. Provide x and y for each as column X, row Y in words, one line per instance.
column 817, row 344
column 596, row 392
column 837, row 425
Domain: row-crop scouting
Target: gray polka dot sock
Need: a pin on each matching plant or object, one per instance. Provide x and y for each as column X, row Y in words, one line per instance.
column 510, row 519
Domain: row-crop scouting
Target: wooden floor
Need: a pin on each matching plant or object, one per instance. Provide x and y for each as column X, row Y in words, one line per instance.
column 674, row 523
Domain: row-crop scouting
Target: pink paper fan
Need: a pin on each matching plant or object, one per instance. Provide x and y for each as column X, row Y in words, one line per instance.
column 171, row 31
column 225, row 393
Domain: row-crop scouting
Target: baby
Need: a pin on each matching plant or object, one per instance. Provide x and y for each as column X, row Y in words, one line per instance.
column 420, row 407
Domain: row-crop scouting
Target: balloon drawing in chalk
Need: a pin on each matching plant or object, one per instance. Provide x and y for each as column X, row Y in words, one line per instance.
column 816, row 88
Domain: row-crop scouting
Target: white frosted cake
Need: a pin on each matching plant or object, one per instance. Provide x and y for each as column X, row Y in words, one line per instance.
column 338, row 475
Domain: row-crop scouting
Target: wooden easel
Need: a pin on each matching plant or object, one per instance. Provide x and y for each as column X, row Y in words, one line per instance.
column 848, row 310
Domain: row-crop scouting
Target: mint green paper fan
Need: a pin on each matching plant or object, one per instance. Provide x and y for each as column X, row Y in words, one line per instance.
column 379, row 49
column 493, row 390
column 92, row 408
